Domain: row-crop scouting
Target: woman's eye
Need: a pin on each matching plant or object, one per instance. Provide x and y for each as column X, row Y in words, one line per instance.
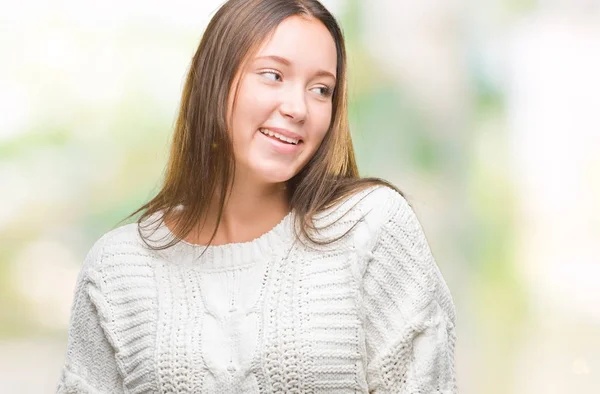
column 324, row 91
column 272, row 75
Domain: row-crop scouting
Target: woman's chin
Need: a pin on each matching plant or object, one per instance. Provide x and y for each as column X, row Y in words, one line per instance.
column 275, row 175
column 277, row 179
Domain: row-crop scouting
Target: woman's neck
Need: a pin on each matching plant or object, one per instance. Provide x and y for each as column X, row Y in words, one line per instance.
column 248, row 213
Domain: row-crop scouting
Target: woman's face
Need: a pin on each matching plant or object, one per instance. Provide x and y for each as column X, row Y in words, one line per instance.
column 284, row 101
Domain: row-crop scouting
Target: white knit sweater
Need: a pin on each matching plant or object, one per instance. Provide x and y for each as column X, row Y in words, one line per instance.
column 368, row 314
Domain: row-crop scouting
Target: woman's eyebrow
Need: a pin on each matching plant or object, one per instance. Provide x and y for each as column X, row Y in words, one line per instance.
column 276, row 58
column 286, row 62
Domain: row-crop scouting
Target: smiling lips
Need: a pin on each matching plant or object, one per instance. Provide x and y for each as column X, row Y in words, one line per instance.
column 279, row 136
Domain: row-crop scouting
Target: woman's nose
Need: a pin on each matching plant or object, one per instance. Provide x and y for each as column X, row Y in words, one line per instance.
column 293, row 104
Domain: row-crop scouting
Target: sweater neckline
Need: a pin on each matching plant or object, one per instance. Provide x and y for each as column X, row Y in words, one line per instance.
column 231, row 255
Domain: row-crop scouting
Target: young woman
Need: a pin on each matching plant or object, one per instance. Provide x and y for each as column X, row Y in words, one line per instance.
column 264, row 264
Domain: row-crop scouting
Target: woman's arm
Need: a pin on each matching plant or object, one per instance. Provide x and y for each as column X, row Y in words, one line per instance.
column 90, row 366
column 409, row 312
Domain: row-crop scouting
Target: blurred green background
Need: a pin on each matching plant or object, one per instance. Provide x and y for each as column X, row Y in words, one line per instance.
column 485, row 114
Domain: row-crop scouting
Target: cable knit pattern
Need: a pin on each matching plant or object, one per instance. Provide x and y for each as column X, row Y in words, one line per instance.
column 370, row 313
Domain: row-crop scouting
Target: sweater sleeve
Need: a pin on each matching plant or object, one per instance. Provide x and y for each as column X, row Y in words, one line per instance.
column 90, row 365
column 409, row 312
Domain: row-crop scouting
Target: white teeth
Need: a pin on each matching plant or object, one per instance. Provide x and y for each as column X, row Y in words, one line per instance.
column 279, row 136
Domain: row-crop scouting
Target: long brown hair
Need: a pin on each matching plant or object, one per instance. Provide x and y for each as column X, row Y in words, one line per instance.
column 201, row 163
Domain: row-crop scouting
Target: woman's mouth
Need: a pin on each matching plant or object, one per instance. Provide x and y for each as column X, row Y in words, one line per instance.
column 280, row 143
column 279, row 137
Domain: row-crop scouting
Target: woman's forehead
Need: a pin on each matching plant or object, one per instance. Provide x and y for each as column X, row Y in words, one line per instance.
column 300, row 42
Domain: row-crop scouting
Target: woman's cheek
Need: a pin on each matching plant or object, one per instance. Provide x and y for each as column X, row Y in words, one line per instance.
column 324, row 119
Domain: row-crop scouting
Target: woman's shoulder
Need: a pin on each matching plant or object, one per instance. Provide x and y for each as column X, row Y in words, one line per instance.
column 374, row 203
column 381, row 199
column 113, row 245
column 364, row 213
